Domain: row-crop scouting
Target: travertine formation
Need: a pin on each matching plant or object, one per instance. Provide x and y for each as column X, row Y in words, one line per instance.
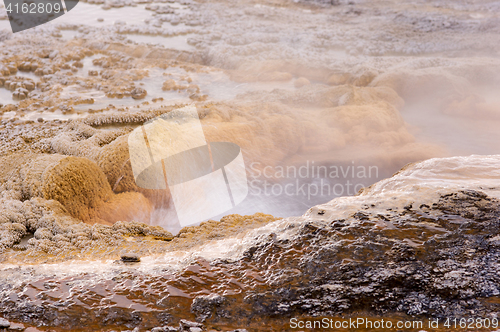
column 382, row 83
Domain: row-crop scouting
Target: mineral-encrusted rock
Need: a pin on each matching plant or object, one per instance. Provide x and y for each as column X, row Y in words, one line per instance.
column 413, row 244
column 165, row 329
column 189, row 326
column 77, row 183
column 205, row 306
column 300, row 82
column 138, row 93
column 4, row 323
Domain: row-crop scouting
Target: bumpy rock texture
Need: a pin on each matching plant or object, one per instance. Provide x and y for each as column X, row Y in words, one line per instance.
column 436, row 260
column 77, row 183
column 289, row 82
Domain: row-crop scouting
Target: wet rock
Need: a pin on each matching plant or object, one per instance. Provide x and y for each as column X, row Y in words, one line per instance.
column 205, row 306
column 189, row 326
column 365, row 78
column 139, row 93
column 53, row 54
column 165, row 329
column 389, row 249
column 414, row 83
column 4, row 323
column 130, row 258
column 338, row 79
column 170, row 85
column 300, row 82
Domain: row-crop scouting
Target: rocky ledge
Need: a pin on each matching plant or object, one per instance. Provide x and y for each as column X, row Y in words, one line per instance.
column 419, row 255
